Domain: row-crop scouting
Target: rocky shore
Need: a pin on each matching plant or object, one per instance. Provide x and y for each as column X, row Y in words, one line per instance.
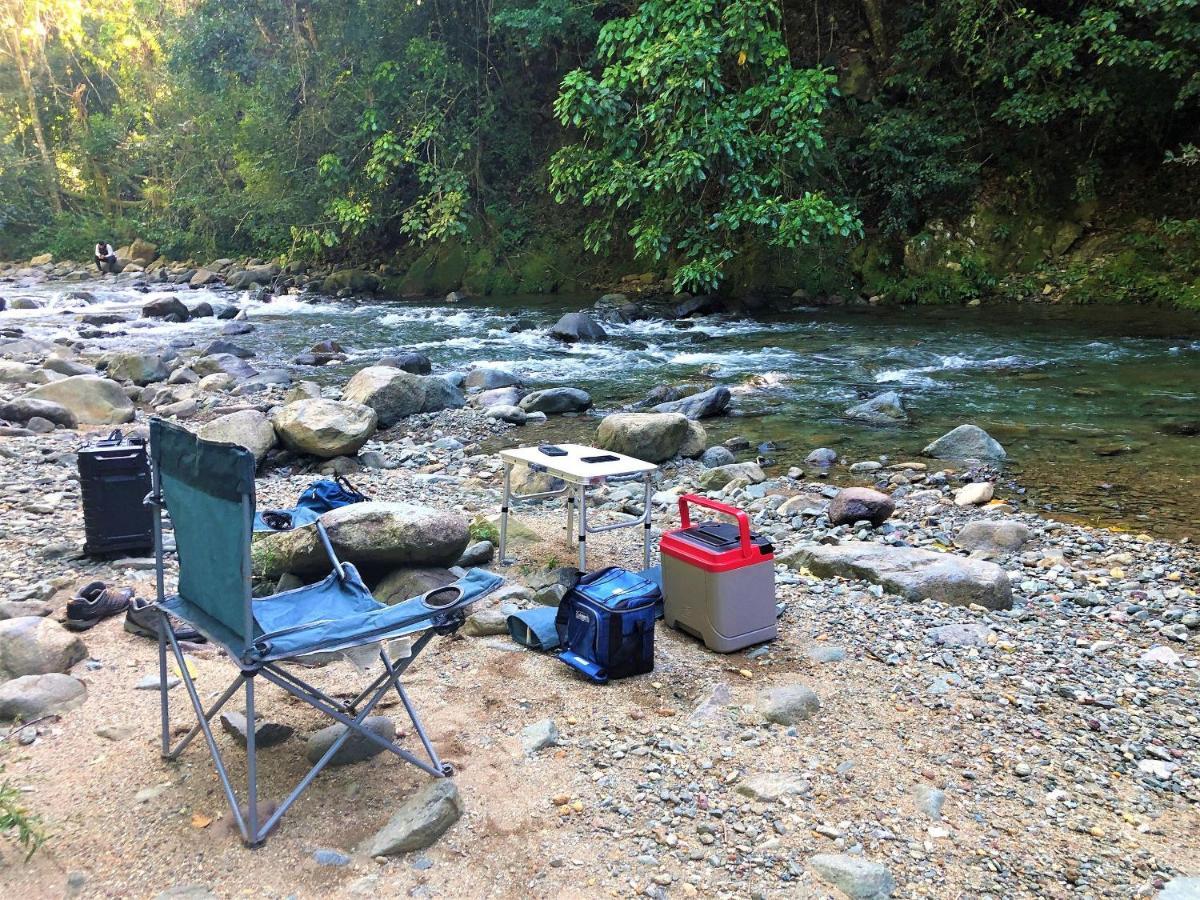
column 965, row 699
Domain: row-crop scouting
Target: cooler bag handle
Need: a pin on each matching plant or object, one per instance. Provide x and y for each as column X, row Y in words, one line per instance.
column 742, row 520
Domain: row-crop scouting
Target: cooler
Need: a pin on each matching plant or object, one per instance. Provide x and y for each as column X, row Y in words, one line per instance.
column 114, row 479
column 718, row 579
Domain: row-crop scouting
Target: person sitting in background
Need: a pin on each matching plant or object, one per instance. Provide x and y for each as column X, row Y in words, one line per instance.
column 106, row 257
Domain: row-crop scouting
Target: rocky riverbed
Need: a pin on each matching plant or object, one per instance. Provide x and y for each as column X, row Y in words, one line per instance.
column 965, row 699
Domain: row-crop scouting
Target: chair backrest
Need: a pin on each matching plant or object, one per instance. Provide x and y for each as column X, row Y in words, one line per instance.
column 208, row 489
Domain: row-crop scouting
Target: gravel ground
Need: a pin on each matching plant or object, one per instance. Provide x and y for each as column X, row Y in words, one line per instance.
column 1063, row 754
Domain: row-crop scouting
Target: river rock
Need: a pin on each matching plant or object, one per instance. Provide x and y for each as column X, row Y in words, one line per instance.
column 356, row 281
column 420, row 820
column 25, row 408
column 202, row 278
column 987, row 535
column 393, row 393
column 768, row 788
column 653, row 437
column 441, row 392
column 974, row 494
column 715, row 457
column 140, row 368
column 696, row 441
column 91, row 399
column 513, row 415
column 788, row 704
column 822, row 457
column 224, row 364
column 854, row 504
column 882, row 409
column 373, row 533
column 20, row 373
column 505, row 396
column 966, row 442
column 556, row 400
column 416, row 363
column 170, row 308
column 708, row 403
column 220, row 345
column 325, row 428
column 578, row 327
column 247, row 428
column 539, row 736
column 486, row 378
column 356, row 747
column 254, row 275
column 32, row 645
column 30, row 696
column 718, row 478
column 912, row 573
column 855, row 876
column 65, row 366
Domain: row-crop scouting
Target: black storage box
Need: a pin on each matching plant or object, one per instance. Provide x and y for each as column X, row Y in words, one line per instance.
column 114, row 479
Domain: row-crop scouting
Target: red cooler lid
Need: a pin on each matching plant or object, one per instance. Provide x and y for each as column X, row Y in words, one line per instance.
column 715, row 546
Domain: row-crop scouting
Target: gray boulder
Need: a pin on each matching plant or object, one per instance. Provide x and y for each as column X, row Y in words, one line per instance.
column 442, row 393
column 1181, row 887
column 653, row 437
column 247, row 428
column 220, row 345
column 966, row 442
column 171, row 308
column 882, row 409
column 25, row 408
column 788, row 704
column 715, row 457
column 32, row 645
column 993, row 536
column 416, row 363
column 64, row 366
column 255, row 275
column 854, row 504
column 224, row 364
column 393, row 393
column 420, row 820
column 718, row 478
column 513, row 415
column 822, row 457
column 912, row 573
column 696, row 441
column 487, row 379
column 20, row 373
column 91, row 399
column 202, row 278
column 556, row 400
column 373, row 533
column 578, row 327
column 708, row 403
column 324, row 428
column 30, row 696
column 855, row 876
column 356, row 747
column 505, row 396
column 140, row 368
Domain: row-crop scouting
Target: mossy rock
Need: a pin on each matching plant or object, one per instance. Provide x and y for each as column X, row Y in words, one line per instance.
column 536, row 273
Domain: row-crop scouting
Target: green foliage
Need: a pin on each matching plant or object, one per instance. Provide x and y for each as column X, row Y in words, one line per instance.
column 1158, row 264
column 697, row 134
column 30, row 831
column 483, row 530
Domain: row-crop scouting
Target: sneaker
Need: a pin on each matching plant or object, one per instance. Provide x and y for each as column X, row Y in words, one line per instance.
column 94, row 602
column 141, row 618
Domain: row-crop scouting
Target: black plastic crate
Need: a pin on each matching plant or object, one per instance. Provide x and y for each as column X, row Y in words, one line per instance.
column 114, row 479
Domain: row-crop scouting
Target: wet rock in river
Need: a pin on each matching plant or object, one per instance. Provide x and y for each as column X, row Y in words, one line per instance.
column 822, row 457
column 170, row 308
column 485, row 378
column 556, row 400
column 416, row 363
column 966, row 442
column 578, row 327
column 708, row 403
column 882, row 409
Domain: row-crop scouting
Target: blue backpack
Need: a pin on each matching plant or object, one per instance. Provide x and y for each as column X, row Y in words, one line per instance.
column 606, row 624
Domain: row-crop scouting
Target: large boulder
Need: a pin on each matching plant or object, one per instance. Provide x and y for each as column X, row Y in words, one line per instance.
column 385, row 535
column 91, row 399
column 695, row 443
column 30, row 696
column 556, row 400
column 578, row 327
column 420, row 820
column 393, row 393
column 203, row 278
column 32, row 645
column 854, row 504
column 653, row 437
column 247, row 428
column 324, row 428
column 708, row 403
column 171, row 308
column 912, row 573
column 993, row 536
column 356, row 281
column 882, row 409
column 966, row 442
column 140, row 368
column 255, row 275
column 143, row 252
column 25, row 408
column 442, row 393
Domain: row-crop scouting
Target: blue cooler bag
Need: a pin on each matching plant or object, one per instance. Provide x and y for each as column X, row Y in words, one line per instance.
column 606, row 624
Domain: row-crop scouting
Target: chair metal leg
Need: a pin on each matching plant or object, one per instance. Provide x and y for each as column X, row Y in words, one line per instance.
column 251, row 768
column 164, row 703
column 412, row 715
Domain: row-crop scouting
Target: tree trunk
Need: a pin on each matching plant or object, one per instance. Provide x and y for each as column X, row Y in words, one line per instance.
column 35, row 120
column 874, row 12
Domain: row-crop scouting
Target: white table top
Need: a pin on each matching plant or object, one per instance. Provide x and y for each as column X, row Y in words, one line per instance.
column 572, row 466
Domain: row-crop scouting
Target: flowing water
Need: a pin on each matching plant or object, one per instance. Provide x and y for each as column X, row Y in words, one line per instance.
column 1099, row 408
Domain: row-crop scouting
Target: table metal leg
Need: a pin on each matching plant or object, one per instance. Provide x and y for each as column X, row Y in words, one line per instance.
column 504, row 512
column 583, row 528
column 646, row 525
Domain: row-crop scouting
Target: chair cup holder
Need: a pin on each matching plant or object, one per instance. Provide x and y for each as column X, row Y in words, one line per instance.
column 440, row 598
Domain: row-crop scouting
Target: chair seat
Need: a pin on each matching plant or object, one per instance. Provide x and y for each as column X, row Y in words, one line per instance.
column 335, row 613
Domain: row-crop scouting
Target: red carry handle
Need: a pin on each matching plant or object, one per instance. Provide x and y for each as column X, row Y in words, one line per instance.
column 742, row 520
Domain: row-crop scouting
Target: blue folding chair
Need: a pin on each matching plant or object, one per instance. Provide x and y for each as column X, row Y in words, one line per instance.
column 208, row 491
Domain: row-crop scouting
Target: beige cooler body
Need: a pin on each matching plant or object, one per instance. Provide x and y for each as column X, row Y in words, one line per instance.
column 727, row 610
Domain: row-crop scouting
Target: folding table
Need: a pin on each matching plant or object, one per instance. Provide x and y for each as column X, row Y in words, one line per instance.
column 581, row 468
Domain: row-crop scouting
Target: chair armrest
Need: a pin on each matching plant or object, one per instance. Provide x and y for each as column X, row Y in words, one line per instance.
column 328, row 545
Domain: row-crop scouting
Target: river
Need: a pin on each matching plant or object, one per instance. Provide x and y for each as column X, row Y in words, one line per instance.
column 1098, row 407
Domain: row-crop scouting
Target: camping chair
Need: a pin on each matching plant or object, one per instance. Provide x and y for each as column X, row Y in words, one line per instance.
column 208, row 491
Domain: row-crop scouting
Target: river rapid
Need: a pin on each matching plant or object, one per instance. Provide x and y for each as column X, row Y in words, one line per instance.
column 1098, row 407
